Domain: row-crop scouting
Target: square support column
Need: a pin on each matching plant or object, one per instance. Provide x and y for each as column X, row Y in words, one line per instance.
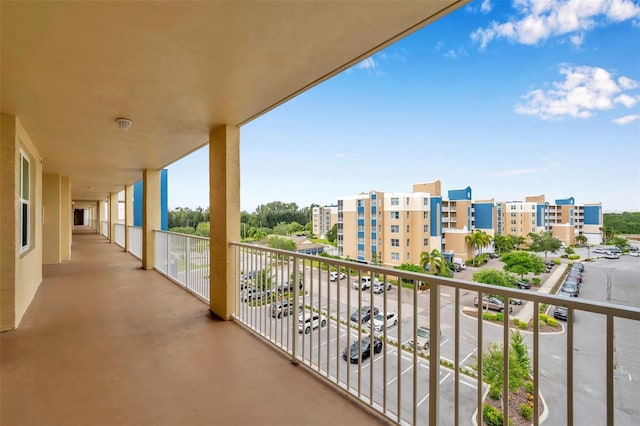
column 113, row 216
column 66, row 218
column 224, row 208
column 128, row 214
column 51, row 226
column 100, row 215
column 150, row 216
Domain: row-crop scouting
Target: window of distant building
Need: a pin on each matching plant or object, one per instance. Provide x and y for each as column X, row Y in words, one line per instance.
column 425, row 215
column 395, row 242
column 407, row 229
column 425, row 201
column 395, row 201
column 407, row 242
column 395, row 256
column 407, row 215
column 395, row 229
column 425, row 242
column 407, row 200
column 395, row 215
column 425, row 228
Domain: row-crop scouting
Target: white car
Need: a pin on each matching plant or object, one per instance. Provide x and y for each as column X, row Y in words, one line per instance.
column 333, row 276
column 634, row 253
column 377, row 323
column 363, row 284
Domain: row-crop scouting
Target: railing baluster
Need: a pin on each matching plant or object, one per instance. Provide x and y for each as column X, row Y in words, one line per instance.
column 505, row 360
column 569, row 366
column 456, row 358
column 536, row 363
column 479, row 351
column 434, row 354
column 610, row 369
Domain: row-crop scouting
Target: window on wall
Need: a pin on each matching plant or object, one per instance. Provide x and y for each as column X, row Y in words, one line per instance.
column 425, row 201
column 395, row 201
column 395, row 256
column 425, row 215
column 408, row 242
column 395, row 229
column 425, row 242
column 25, row 205
column 395, row 242
column 407, row 215
column 395, row 215
column 425, row 228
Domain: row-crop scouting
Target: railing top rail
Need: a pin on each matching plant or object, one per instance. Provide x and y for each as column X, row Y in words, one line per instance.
column 182, row 235
column 527, row 295
column 135, row 227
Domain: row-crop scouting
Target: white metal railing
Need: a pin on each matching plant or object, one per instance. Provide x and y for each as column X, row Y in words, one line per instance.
column 442, row 384
column 135, row 241
column 185, row 259
column 120, row 230
column 105, row 228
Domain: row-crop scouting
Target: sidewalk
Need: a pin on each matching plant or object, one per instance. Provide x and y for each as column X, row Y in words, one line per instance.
column 526, row 313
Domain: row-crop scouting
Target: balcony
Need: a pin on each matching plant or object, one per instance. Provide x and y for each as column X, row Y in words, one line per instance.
column 108, row 343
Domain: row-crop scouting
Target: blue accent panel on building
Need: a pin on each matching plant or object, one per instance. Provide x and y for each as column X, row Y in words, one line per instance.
column 373, row 196
column 435, row 217
column 373, row 210
column 360, row 222
column 460, row 194
column 137, row 203
column 360, row 246
column 540, row 215
column 484, row 215
column 592, row 215
column 566, row 202
column 373, row 222
column 164, row 201
column 360, row 234
column 469, row 218
column 360, row 209
column 374, row 236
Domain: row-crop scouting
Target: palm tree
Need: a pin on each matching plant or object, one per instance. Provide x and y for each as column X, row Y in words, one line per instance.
column 478, row 240
column 435, row 260
column 582, row 239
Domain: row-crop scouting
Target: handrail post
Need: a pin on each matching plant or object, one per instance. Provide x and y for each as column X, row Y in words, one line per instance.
column 296, row 310
column 434, row 354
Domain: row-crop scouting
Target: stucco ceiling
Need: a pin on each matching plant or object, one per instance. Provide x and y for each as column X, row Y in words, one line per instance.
column 177, row 69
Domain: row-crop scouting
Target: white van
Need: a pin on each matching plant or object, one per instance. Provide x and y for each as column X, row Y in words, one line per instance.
column 310, row 320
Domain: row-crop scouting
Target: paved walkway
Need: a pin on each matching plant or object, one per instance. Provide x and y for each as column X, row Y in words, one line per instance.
column 526, row 313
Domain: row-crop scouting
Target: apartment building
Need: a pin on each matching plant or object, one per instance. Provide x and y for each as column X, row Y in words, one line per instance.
column 323, row 219
column 390, row 228
column 395, row 228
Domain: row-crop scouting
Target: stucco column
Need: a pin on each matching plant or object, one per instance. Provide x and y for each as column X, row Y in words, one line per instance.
column 150, row 216
column 51, row 227
column 66, row 218
column 113, row 216
column 9, row 220
column 128, row 214
column 224, row 202
column 100, row 216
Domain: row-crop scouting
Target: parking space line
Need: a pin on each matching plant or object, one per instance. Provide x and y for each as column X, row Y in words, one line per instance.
column 445, row 378
column 423, row 400
column 396, row 377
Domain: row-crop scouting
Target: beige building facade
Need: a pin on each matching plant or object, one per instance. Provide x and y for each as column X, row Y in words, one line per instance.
column 323, row 218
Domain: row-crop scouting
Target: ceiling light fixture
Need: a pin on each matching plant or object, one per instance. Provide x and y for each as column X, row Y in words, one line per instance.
column 123, row 123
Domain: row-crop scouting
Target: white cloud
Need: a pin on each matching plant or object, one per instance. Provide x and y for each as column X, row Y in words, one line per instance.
column 539, row 20
column 451, row 54
column 486, row 6
column 516, row 172
column 339, row 155
column 627, row 119
column 627, row 83
column 584, row 90
column 368, row 64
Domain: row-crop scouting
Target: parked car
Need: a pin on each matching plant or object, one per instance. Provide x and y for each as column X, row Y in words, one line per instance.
column 515, row 301
column 573, row 273
column 525, row 285
column 378, row 287
column 363, row 284
column 599, row 250
column 571, row 288
column 281, row 307
column 423, row 336
column 492, row 303
column 253, row 293
column 310, row 320
column 333, row 276
column 634, row 253
column 561, row 312
column 378, row 321
column 611, row 255
column 579, row 266
column 360, row 352
column 287, row 286
column 364, row 314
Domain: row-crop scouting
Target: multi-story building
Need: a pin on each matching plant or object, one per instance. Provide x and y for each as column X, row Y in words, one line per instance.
column 395, row 228
column 323, row 219
column 390, row 228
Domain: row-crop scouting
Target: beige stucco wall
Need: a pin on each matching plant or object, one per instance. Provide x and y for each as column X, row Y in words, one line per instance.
column 455, row 241
column 21, row 273
column 66, row 218
column 51, row 228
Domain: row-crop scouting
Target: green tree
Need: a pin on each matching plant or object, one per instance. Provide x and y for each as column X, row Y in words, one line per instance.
column 620, row 242
column 477, row 240
column 519, row 363
column 203, row 229
column 502, row 243
column 332, row 235
column 544, row 242
column 281, row 229
column 435, row 261
column 295, row 228
column 582, row 239
column 495, row 277
column 522, row 262
column 281, row 243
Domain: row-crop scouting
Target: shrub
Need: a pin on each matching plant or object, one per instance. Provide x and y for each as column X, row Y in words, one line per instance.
column 499, row 316
column 552, row 322
column 516, row 322
column 574, row 256
column 544, row 317
column 565, row 256
column 556, row 261
column 495, row 392
column 529, row 387
column 526, row 411
column 536, row 281
column 543, row 308
column 492, row 416
column 523, row 325
column 488, row 317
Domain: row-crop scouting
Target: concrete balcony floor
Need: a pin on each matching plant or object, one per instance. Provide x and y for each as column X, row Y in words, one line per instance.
column 107, row 343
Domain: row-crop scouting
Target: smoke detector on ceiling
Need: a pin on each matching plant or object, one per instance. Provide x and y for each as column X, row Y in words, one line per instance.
column 123, row 123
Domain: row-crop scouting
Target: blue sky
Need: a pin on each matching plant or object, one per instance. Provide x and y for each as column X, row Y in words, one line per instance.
column 512, row 98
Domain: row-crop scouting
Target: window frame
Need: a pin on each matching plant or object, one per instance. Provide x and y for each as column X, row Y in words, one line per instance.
column 25, row 203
